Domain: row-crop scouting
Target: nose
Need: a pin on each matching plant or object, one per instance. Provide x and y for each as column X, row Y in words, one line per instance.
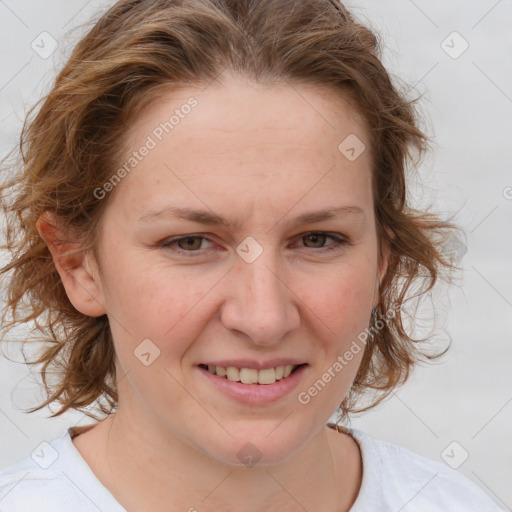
column 259, row 303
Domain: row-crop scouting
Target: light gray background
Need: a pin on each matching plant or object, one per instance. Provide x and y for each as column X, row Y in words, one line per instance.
column 468, row 102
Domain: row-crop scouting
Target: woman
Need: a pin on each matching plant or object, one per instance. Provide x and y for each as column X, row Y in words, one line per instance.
column 175, row 184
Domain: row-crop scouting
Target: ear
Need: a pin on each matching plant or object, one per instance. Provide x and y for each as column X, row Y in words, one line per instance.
column 78, row 271
column 384, row 263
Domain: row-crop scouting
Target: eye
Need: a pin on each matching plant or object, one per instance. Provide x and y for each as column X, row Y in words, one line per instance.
column 188, row 243
column 319, row 237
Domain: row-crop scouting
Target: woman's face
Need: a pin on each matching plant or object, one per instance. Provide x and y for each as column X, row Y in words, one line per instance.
column 246, row 287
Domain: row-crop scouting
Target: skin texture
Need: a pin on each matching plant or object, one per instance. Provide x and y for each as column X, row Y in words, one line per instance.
column 261, row 155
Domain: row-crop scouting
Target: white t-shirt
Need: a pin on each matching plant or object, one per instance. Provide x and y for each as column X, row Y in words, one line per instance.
column 55, row 478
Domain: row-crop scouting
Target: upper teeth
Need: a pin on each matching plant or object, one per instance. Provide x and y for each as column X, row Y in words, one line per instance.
column 252, row 375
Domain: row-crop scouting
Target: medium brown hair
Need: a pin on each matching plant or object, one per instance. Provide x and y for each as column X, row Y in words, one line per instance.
column 136, row 51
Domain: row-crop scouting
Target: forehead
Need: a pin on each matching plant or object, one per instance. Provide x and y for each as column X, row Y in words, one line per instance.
column 237, row 106
column 241, row 140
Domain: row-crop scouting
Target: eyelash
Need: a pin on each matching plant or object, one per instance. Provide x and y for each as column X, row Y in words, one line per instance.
column 339, row 243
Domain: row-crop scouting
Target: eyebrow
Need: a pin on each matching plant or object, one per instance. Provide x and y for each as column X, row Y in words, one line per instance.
column 210, row 218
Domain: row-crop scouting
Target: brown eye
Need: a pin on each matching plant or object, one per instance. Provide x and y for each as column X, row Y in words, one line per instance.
column 190, row 242
column 185, row 244
column 316, row 238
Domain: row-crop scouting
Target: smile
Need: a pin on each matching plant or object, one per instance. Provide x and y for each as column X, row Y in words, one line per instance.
column 253, row 386
column 264, row 376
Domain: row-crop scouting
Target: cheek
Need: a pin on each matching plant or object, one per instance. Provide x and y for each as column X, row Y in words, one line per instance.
column 155, row 301
column 341, row 300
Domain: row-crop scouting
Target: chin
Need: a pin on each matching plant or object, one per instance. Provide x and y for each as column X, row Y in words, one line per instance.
column 256, row 447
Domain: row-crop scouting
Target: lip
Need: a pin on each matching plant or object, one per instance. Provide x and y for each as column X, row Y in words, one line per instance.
column 255, row 365
column 255, row 394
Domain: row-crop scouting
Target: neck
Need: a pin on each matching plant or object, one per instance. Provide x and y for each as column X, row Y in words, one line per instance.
column 170, row 475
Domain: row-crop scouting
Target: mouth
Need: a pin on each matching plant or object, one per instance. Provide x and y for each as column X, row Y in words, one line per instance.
column 265, row 376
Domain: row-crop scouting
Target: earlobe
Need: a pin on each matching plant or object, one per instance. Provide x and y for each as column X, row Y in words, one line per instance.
column 77, row 270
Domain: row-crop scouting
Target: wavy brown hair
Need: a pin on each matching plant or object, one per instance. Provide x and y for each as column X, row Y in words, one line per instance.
column 71, row 140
